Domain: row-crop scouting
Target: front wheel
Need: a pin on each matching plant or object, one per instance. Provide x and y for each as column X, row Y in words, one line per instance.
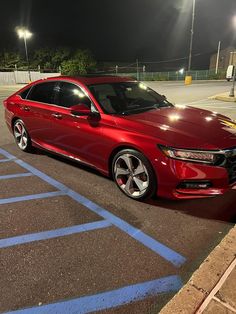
column 133, row 174
column 21, row 136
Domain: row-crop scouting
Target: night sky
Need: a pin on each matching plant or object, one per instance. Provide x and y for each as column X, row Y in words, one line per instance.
column 122, row 30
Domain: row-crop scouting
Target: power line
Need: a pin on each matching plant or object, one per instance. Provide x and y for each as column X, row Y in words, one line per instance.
column 177, row 59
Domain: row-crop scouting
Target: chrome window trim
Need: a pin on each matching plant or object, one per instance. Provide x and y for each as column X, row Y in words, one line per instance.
column 58, row 81
column 23, row 92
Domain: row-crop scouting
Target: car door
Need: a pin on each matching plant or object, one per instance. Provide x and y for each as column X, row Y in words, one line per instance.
column 76, row 136
column 38, row 108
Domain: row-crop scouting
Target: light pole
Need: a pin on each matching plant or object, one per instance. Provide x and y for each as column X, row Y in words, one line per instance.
column 218, row 57
column 231, row 94
column 25, row 34
column 191, row 38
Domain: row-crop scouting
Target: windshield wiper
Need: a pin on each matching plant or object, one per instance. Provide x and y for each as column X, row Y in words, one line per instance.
column 137, row 110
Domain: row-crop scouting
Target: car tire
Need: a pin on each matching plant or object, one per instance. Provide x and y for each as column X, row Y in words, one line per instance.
column 21, row 136
column 133, row 174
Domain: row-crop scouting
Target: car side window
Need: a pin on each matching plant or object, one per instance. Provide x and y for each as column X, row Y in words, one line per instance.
column 43, row 92
column 70, row 95
column 25, row 92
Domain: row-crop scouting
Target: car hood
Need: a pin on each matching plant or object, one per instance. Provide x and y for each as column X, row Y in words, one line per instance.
column 183, row 127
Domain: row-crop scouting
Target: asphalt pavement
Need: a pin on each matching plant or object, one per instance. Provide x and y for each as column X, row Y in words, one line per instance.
column 71, row 242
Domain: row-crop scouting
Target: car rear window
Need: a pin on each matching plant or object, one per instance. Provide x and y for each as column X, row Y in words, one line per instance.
column 25, row 92
column 43, row 92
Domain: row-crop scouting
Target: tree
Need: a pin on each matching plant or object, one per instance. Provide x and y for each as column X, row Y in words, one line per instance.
column 8, row 59
column 81, row 62
column 60, row 55
column 43, row 57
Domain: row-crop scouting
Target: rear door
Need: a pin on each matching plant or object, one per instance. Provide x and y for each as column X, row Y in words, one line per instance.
column 38, row 109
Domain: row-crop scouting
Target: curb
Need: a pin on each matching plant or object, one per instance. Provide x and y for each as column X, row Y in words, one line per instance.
column 223, row 97
column 189, row 299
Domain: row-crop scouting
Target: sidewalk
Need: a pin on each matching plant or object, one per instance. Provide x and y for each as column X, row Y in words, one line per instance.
column 212, row 288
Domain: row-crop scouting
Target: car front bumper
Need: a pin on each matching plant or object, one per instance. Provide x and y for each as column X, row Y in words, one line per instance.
column 178, row 179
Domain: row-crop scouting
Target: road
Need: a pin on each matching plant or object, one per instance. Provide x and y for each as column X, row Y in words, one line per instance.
column 70, row 240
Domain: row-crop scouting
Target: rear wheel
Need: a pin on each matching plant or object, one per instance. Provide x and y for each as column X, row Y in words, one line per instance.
column 21, row 135
column 133, row 174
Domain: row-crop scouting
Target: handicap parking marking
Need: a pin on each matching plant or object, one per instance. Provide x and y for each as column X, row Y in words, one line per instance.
column 6, row 160
column 30, row 197
column 102, row 300
column 16, row 175
column 28, row 238
column 167, row 253
column 109, row 299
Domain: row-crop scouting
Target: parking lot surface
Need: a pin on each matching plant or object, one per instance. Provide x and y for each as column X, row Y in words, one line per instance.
column 71, row 242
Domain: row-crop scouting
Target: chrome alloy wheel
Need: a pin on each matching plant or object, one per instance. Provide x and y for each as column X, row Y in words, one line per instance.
column 21, row 135
column 131, row 175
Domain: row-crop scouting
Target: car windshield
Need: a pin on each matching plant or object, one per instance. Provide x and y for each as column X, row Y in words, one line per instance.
column 127, row 98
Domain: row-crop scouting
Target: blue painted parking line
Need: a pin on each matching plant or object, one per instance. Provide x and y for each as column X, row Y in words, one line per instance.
column 7, row 242
column 6, row 160
column 7, row 154
column 104, row 300
column 167, row 253
column 159, row 248
column 30, row 197
column 16, row 175
column 109, row 299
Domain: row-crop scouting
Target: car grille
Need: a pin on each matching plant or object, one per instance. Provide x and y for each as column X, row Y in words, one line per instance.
column 231, row 168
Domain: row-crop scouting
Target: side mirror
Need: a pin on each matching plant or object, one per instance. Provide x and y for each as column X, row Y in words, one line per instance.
column 80, row 110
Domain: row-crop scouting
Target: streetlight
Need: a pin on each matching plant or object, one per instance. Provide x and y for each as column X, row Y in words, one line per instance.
column 191, row 38
column 231, row 94
column 25, row 34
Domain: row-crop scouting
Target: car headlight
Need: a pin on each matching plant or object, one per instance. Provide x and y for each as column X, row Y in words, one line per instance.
column 190, row 155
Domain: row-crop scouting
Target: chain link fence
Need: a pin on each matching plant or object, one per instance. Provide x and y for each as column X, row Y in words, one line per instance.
column 173, row 75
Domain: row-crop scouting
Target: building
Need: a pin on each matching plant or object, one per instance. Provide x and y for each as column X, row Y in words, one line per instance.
column 226, row 58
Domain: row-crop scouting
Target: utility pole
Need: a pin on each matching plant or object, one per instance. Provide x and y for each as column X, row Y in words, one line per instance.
column 191, row 38
column 231, row 94
column 137, row 69
column 218, row 56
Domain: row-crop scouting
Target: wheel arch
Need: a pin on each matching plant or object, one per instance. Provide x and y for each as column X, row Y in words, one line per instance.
column 117, row 150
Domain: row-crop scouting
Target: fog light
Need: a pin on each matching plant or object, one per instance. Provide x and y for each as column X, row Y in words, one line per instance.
column 195, row 185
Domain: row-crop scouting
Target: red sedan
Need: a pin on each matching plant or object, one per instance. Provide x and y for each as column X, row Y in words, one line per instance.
column 127, row 131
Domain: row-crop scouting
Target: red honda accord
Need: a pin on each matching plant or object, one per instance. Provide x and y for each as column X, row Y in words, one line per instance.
column 127, row 131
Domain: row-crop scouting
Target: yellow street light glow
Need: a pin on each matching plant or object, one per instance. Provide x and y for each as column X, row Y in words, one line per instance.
column 78, row 93
column 142, row 86
column 174, row 117
column 24, row 33
column 164, row 127
column 179, row 106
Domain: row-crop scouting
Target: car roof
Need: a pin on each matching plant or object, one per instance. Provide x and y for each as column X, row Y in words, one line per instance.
column 92, row 79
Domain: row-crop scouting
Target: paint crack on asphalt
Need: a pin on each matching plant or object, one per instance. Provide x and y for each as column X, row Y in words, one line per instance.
column 199, row 289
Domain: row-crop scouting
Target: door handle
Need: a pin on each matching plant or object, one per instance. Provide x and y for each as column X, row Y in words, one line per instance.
column 56, row 115
column 25, row 108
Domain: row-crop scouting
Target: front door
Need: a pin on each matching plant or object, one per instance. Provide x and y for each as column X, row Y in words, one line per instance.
column 77, row 136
